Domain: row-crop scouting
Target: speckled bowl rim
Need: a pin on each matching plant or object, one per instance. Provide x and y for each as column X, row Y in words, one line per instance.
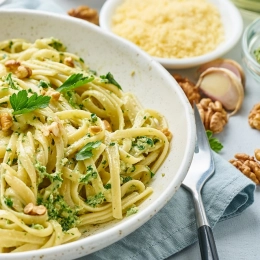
column 131, row 224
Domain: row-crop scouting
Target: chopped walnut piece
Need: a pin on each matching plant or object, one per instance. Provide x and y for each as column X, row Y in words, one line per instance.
column 189, row 88
column 107, row 126
column 254, row 117
column 52, row 128
column 31, row 209
column 6, row 121
column 12, row 64
column 69, row 62
column 23, row 72
column 213, row 115
column 167, row 133
column 86, row 13
column 248, row 166
column 55, row 95
column 95, row 129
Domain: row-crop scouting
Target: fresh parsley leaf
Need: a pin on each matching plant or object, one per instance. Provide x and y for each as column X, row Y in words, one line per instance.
column 74, row 81
column 214, row 143
column 22, row 104
column 110, row 79
column 86, row 151
column 10, row 81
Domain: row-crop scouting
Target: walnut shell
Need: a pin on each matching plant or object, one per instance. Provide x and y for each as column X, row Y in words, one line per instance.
column 86, row 13
column 213, row 115
column 189, row 88
column 248, row 166
column 254, row 117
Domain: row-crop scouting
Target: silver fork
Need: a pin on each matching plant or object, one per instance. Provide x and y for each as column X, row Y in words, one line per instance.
column 201, row 169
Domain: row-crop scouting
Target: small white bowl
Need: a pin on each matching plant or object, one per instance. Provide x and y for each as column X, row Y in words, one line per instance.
column 231, row 19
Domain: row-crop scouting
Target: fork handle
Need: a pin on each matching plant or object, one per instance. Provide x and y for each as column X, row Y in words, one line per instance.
column 208, row 249
column 207, row 244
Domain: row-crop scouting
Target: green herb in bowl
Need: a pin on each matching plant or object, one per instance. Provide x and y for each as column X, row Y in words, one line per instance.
column 257, row 54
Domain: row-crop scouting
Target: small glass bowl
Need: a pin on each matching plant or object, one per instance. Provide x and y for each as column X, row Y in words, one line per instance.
column 251, row 42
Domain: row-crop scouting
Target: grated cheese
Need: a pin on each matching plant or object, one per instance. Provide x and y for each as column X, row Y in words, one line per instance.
column 170, row 28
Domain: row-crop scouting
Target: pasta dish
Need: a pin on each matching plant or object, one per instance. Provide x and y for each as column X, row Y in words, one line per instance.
column 75, row 150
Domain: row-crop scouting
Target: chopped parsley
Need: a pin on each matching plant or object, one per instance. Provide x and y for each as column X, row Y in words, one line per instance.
column 43, row 84
column 37, row 226
column 8, row 202
column 142, row 144
column 42, row 173
column 107, row 186
column 257, row 54
column 72, row 98
column 131, row 211
column 10, row 44
column 89, row 176
column 10, row 81
column 126, row 179
column 151, row 173
column 57, row 45
column 95, row 200
column 93, row 118
column 22, row 104
column 60, row 211
column 109, row 78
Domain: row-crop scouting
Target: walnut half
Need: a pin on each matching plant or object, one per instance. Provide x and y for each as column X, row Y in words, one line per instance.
column 213, row 115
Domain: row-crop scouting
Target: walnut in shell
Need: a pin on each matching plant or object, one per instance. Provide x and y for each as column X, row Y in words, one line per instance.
column 213, row 115
column 85, row 13
column 254, row 117
column 248, row 166
column 189, row 88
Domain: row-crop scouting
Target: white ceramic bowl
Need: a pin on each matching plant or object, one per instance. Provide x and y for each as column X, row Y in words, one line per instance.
column 151, row 83
column 231, row 19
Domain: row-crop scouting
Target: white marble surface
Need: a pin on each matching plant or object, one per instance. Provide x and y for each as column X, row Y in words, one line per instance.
column 236, row 238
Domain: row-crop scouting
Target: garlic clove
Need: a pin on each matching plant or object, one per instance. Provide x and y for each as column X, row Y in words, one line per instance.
column 225, row 64
column 223, row 85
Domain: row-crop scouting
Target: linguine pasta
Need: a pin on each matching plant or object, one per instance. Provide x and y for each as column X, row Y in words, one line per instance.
column 75, row 150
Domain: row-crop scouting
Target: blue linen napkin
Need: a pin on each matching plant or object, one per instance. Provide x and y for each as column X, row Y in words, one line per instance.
column 227, row 194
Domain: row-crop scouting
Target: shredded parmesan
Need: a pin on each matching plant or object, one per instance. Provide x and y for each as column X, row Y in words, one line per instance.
column 170, row 28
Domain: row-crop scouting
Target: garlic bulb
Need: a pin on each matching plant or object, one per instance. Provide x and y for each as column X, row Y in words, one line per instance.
column 223, row 85
column 225, row 64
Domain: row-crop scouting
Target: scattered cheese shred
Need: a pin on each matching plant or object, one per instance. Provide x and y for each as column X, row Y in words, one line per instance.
column 170, row 28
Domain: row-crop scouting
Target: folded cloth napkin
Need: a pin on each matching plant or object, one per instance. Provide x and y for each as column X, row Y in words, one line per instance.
column 225, row 195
